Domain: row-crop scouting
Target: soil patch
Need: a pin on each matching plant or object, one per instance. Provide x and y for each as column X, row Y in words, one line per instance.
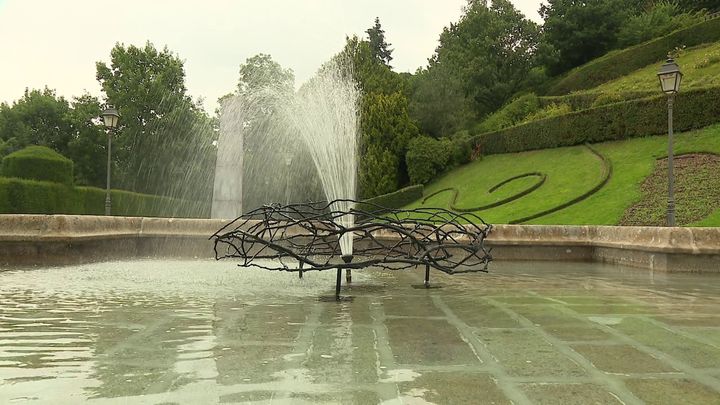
column 697, row 191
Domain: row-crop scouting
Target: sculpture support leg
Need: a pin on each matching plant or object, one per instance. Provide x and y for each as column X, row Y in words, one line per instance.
column 300, row 273
column 427, row 276
column 337, row 284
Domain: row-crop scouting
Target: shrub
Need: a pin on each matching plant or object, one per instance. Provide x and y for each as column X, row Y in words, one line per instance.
column 607, row 98
column 635, row 118
column 584, row 100
column 426, row 157
column 511, row 114
column 628, row 60
column 662, row 18
column 38, row 163
column 20, row 196
column 460, row 149
column 551, row 110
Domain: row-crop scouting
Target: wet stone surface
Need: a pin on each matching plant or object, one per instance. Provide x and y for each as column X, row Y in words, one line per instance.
column 187, row 332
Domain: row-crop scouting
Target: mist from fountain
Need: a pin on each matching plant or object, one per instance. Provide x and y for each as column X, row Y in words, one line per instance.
column 323, row 114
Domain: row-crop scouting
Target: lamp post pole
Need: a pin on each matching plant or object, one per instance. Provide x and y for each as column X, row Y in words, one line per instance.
column 108, row 203
column 671, row 174
column 670, row 77
column 110, row 118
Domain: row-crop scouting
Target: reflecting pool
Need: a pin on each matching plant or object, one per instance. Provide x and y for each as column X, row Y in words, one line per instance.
column 204, row 332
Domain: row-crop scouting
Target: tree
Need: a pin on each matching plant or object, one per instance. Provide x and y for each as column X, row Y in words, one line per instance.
column 482, row 60
column 261, row 71
column 658, row 19
column 40, row 117
column 378, row 46
column 385, row 123
column 87, row 147
column 576, row 31
column 164, row 142
column 386, row 130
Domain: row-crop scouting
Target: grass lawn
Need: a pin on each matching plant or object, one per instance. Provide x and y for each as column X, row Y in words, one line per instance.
column 570, row 172
column 700, row 66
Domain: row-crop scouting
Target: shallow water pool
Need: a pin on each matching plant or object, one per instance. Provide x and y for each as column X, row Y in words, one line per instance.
column 203, row 332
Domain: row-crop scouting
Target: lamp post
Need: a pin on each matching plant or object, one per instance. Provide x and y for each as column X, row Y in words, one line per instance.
column 670, row 78
column 110, row 118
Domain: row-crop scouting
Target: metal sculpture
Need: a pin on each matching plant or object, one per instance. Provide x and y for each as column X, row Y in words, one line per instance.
column 307, row 236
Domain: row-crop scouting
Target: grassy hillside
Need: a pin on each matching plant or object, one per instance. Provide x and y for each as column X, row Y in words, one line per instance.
column 570, row 172
column 700, row 65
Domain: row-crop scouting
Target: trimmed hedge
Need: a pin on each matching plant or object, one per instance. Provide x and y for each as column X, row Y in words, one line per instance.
column 607, row 173
column 396, row 199
column 621, row 63
column 20, row 196
column 694, row 109
column 38, row 163
column 456, row 193
column 583, row 101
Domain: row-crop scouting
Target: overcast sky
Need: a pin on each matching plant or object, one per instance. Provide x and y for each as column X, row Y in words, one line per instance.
column 57, row 42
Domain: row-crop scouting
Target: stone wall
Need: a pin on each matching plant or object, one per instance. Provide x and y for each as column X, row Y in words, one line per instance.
column 65, row 239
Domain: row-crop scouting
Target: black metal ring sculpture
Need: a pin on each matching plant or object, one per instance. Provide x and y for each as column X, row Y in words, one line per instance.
column 304, row 237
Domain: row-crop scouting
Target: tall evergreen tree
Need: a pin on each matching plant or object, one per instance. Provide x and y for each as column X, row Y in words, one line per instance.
column 380, row 49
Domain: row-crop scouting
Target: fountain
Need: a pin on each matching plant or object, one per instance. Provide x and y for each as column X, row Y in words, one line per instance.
column 323, row 114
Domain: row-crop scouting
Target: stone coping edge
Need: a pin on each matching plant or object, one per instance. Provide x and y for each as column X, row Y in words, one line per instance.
column 69, row 228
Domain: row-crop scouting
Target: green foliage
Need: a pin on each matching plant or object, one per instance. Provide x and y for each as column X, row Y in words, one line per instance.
column 607, row 98
column 396, row 199
column 700, row 65
column 481, row 61
column 164, row 142
column 460, row 149
column 552, row 110
column 261, row 71
column 40, row 117
column 576, row 31
column 372, row 75
column 20, row 196
column 426, row 157
column 635, row 118
column 438, row 101
column 38, row 163
column 386, row 129
column 378, row 46
column 620, row 63
column 584, row 100
column 511, row 114
column 385, row 124
column 709, row 5
column 661, row 18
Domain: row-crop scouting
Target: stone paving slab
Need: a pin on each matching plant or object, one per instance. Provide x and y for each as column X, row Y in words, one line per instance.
column 526, row 353
column 684, row 349
column 672, row 391
column 428, row 341
column 569, row 394
column 621, row 359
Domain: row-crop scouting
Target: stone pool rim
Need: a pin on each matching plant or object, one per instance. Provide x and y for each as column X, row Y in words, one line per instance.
column 29, row 239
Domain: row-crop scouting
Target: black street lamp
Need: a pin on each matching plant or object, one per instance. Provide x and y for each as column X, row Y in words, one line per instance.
column 670, row 78
column 110, row 118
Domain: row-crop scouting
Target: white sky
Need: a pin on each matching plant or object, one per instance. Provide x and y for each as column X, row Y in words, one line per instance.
column 56, row 43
